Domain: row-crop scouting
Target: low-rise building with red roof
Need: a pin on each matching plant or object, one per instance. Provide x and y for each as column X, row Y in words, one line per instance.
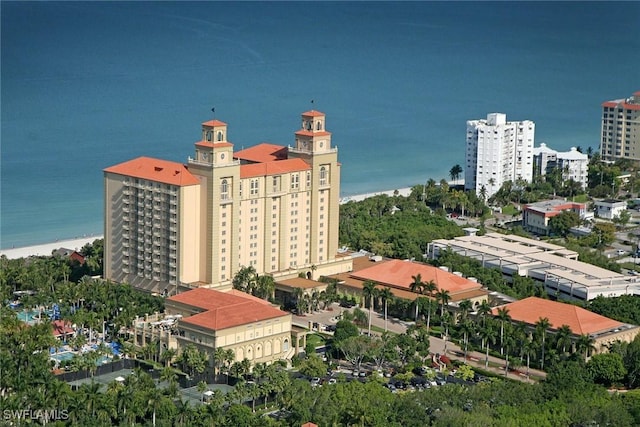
column 398, row 275
column 536, row 216
column 62, row 329
column 209, row 319
column 601, row 329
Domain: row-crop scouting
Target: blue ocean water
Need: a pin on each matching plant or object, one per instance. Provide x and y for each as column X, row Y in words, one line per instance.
column 86, row 85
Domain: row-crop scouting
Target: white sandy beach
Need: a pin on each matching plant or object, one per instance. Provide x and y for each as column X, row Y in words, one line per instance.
column 360, row 197
column 46, row 249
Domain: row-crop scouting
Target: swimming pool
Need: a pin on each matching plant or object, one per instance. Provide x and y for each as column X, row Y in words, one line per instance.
column 65, row 355
column 68, row 355
column 31, row 316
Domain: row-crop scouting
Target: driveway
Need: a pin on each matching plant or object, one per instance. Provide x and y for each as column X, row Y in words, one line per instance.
column 436, row 345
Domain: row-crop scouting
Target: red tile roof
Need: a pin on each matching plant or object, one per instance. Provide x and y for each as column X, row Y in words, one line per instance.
column 313, row 133
column 312, row 113
column 61, row 327
column 222, row 310
column 213, row 123
column 155, row 170
column 273, row 168
column 399, row 274
column 620, row 103
column 262, row 153
column 213, row 144
column 581, row 321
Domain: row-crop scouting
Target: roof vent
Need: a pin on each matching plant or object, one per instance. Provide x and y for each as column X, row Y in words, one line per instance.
column 158, row 168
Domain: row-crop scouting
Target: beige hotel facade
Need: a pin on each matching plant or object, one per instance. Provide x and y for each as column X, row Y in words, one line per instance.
column 170, row 226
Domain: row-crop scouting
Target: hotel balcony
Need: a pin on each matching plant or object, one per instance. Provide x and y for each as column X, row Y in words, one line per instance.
column 193, row 161
column 303, row 151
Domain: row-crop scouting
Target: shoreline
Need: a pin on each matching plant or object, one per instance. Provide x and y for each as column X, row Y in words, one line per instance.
column 360, row 197
column 45, row 249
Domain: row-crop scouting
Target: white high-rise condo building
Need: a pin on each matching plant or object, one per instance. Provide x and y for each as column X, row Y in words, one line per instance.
column 620, row 137
column 498, row 151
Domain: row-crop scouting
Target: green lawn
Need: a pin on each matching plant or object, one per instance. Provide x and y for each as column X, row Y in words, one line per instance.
column 510, row 210
column 317, row 340
column 581, row 198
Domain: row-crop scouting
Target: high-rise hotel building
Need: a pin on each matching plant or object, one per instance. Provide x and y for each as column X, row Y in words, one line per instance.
column 620, row 137
column 171, row 226
column 497, row 151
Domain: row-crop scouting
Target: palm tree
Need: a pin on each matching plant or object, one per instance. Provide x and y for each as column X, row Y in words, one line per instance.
column 508, row 342
column 503, row 316
column 368, row 291
column 483, row 193
column 563, row 338
column 541, row 326
column 429, row 288
column 154, row 401
column 488, row 334
column 464, row 308
column 416, row 285
column 386, row 295
column 467, row 329
column 167, row 355
column 528, row 347
column 455, row 172
column 585, row 344
column 445, row 321
column 443, row 296
column 298, row 293
column 483, row 310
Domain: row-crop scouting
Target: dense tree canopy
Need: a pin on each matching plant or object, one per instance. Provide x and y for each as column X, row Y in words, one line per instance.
column 397, row 227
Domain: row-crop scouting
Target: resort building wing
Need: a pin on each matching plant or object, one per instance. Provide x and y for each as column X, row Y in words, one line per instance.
column 251, row 327
column 170, row 226
column 554, row 267
column 602, row 329
column 398, row 275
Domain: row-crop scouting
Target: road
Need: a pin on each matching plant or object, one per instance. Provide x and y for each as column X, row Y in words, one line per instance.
column 436, row 344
